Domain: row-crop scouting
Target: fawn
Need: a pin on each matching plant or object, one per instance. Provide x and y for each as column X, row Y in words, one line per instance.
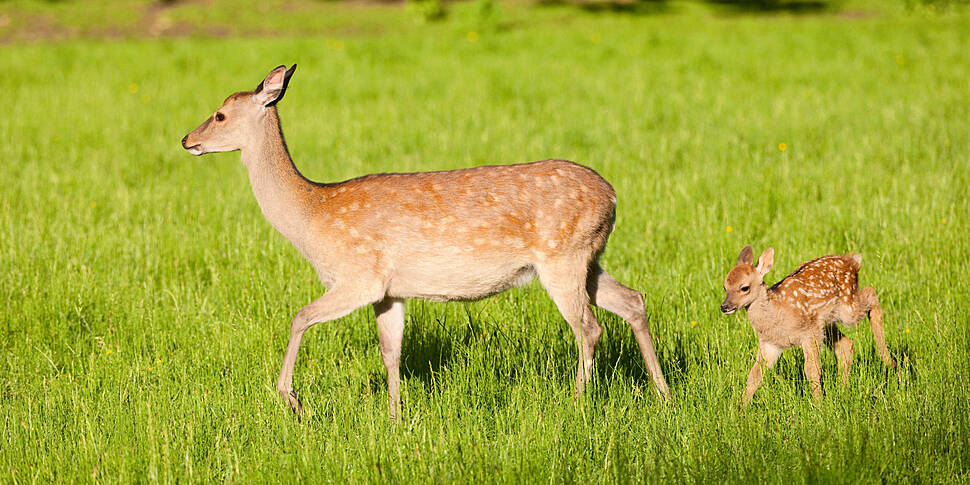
column 803, row 309
column 452, row 235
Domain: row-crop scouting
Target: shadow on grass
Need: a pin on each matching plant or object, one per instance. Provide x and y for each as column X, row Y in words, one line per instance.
column 618, row 358
column 791, row 368
column 657, row 7
column 772, row 6
column 632, row 7
column 425, row 351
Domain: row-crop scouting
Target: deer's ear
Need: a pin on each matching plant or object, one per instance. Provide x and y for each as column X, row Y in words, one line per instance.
column 766, row 261
column 271, row 90
column 746, row 256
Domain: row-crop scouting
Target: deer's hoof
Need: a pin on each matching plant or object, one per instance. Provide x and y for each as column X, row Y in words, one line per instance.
column 289, row 397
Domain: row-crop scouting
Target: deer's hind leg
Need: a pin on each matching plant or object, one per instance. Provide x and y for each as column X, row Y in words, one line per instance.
column 866, row 303
column 606, row 293
column 565, row 281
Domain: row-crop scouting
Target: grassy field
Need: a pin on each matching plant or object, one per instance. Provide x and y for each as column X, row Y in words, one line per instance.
column 145, row 302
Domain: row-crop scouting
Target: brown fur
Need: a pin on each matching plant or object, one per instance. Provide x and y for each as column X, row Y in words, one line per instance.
column 453, row 235
column 803, row 310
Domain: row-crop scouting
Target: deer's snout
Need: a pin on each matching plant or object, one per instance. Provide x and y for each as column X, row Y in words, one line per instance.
column 193, row 148
column 727, row 308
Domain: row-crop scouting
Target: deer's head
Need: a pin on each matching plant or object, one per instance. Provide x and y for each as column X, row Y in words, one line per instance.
column 744, row 279
column 235, row 123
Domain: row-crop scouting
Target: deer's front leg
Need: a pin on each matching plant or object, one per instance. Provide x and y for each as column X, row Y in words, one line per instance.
column 813, row 367
column 334, row 304
column 766, row 358
column 390, row 331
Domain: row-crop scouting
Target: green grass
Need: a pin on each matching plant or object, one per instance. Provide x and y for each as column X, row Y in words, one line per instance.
column 145, row 302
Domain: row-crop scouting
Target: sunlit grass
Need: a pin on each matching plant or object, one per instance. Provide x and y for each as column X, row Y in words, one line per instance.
column 145, row 302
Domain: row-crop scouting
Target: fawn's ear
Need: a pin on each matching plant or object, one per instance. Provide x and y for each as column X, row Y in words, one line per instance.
column 271, row 90
column 766, row 261
column 746, row 256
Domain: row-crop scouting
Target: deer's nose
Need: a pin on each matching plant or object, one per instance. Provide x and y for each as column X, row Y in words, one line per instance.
column 183, row 141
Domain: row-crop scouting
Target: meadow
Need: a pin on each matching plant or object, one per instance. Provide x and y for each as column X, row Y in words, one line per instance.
column 145, row 302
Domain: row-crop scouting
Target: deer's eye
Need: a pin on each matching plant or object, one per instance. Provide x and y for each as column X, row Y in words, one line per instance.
column 220, row 117
column 745, row 288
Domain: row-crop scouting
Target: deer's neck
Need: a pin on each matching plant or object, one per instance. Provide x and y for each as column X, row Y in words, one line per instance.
column 280, row 189
column 760, row 308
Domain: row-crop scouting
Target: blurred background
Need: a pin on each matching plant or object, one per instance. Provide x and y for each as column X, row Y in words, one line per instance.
column 40, row 20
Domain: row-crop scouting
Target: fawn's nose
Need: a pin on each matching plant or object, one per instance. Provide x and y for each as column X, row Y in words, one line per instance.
column 725, row 307
column 186, row 137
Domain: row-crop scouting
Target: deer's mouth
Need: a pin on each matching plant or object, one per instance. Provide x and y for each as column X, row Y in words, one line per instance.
column 195, row 149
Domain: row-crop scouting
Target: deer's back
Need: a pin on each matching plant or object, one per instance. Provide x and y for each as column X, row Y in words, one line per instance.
column 554, row 202
column 820, row 285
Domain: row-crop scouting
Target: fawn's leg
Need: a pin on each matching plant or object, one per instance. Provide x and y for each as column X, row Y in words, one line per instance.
column 608, row 294
column 390, row 331
column 867, row 303
column 336, row 303
column 565, row 281
column 813, row 367
column 765, row 359
column 842, row 347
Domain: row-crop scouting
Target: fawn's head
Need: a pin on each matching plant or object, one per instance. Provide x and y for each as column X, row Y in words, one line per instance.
column 742, row 281
column 234, row 124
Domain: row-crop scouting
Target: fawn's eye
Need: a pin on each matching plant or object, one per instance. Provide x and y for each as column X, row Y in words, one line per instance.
column 220, row 116
column 745, row 288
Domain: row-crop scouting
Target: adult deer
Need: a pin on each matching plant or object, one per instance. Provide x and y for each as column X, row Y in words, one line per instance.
column 451, row 235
